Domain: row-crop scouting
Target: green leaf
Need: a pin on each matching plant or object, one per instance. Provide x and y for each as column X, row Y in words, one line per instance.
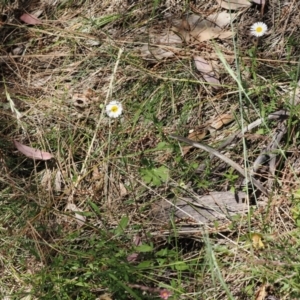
column 126, row 287
column 145, row 264
column 144, row 248
column 122, row 225
column 94, row 207
column 81, row 284
column 161, row 261
column 296, row 194
column 181, row 266
column 100, row 22
column 155, row 176
column 162, row 252
column 162, row 146
column 260, row 131
column 162, row 172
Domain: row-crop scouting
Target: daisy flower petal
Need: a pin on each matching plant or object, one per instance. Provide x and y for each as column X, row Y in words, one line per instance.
column 114, row 109
column 258, row 29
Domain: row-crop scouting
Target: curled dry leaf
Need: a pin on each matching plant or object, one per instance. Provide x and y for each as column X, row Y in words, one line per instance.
column 197, row 135
column 80, row 219
column 137, row 241
column 295, row 95
column 123, row 190
column 206, row 69
column 80, row 100
column 185, row 24
column 105, row 297
column 58, row 181
column 46, row 180
column 18, row 50
column 234, row 4
column 30, row 19
column 97, row 179
column 221, row 120
column 132, row 257
column 261, row 293
column 194, row 135
column 32, row 152
column 256, row 241
column 186, row 150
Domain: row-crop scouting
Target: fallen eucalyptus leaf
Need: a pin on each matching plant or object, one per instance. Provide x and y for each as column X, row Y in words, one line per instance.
column 221, row 120
column 197, row 135
column 137, row 241
column 30, row 19
column 206, row 70
column 32, row 152
column 194, row 135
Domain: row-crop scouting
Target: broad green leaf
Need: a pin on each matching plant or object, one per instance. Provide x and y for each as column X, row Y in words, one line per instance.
column 155, row 176
column 144, row 248
column 145, row 264
column 162, row 252
column 162, row 146
column 162, row 172
column 181, row 266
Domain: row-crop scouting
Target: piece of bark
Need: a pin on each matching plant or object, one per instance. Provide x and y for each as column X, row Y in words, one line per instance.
column 202, row 209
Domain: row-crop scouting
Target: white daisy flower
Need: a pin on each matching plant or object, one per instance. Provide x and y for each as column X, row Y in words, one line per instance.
column 258, row 29
column 114, row 109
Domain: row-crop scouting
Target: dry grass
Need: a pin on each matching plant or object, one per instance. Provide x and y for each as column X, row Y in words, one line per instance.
column 61, row 74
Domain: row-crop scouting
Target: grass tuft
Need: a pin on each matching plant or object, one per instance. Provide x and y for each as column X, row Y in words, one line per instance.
column 100, row 220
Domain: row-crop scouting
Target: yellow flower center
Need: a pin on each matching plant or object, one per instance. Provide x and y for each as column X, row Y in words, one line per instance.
column 259, row 29
column 114, row 109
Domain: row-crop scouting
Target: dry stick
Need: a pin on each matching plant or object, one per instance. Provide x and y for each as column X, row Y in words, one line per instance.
column 277, row 115
column 224, row 158
column 270, row 154
column 274, row 145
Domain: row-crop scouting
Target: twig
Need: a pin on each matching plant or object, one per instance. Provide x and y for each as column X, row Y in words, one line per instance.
column 224, row 158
